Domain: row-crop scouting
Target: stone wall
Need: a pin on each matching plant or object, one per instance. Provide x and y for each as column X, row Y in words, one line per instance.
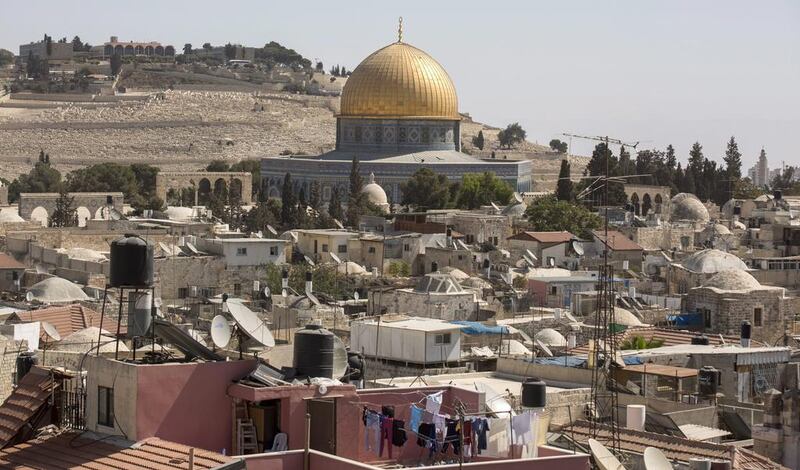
column 728, row 309
column 8, row 365
column 91, row 201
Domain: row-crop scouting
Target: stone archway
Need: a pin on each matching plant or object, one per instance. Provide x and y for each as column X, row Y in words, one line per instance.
column 119, row 50
column 169, row 50
column 635, row 203
column 159, row 50
column 658, row 202
column 203, row 191
column 129, row 50
column 83, row 214
column 647, row 204
column 221, row 188
column 39, row 214
column 148, row 50
column 205, row 182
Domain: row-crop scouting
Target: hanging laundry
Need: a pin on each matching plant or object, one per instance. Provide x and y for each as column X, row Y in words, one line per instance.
column 479, row 427
column 388, row 411
column 497, row 437
column 433, row 402
column 399, row 433
column 415, row 418
column 452, row 436
column 521, row 427
column 372, row 435
column 386, row 435
column 439, row 422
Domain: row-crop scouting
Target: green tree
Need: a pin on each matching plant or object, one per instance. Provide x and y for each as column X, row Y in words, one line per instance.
column 218, row 165
column 207, row 46
column 288, row 203
column 116, row 64
column 547, row 214
column 558, row 146
column 41, row 179
column 399, row 269
column 639, row 342
column 104, row 177
column 65, row 213
column 512, row 134
column 733, row 160
column 335, row 205
column 602, row 156
column 77, row 44
column 564, row 185
column 478, row 141
column 252, row 166
column 357, row 201
column 263, row 214
column 426, row 190
column 315, row 196
column 187, row 49
column 482, row 189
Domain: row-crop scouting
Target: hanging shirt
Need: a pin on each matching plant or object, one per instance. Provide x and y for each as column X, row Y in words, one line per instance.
column 399, row 433
column 434, row 402
column 387, row 426
column 372, row 435
column 480, row 426
column 439, row 422
column 415, row 418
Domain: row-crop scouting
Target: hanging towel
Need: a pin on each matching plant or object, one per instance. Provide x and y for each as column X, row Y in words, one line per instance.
column 415, row 418
column 521, row 426
column 372, row 435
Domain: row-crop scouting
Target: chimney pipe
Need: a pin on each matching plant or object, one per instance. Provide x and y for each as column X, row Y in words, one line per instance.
column 285, row 279
column 309, row 284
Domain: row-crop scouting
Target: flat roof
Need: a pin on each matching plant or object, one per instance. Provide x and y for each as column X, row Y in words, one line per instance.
column 416, row 324
column 496, row 381
column 662, row 370
column 247, row 240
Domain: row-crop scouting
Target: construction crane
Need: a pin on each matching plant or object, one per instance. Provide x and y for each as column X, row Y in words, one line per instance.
column 603, row 359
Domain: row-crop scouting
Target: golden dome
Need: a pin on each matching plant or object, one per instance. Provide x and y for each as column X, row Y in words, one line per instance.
column 399, row 81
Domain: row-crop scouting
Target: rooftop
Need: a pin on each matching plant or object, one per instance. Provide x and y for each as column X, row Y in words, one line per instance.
column 413, row 323
column 544, row 237
column 8, row 262
column 617, row 241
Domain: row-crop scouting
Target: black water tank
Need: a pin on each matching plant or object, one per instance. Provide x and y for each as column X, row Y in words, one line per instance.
column 737, row 210
column 131, row 262
column 700, row 339
column 777, row 194
column 25, row 361
column 313, row 352
column 708, row 380
column 534, row 393
column 434, row 267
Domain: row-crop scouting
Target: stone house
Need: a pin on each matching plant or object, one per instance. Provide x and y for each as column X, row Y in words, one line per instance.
column 245, row 251
column 436, row 295
column 734, row 296
column 621, row 250
column 699, row 267
column 557, row 244
column 11, row 272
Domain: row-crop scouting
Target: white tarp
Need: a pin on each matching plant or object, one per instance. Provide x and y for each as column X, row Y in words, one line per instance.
column 28, row 332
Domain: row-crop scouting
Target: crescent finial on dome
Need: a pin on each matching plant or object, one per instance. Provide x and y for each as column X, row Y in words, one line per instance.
column 371, row 178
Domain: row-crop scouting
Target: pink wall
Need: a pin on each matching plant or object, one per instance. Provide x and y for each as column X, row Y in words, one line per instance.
column 188, row 403
column 538, row 289
column 292, row 460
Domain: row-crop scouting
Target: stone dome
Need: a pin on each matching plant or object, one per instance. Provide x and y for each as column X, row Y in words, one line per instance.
column 686, row 206
column 551, row 337
column 733, row 279
column 739, row 225
column 375, row 193
column 718, row 229
column 621, row 317
column 399, row 81
column 712, row 261
column 9, row 215
column 56, row 290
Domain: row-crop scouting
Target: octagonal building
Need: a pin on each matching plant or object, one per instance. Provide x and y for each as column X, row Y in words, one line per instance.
column 399, row 113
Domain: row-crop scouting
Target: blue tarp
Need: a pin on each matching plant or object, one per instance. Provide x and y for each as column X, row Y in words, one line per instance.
column 686, row 319
column 477, row 328
column 632, row 360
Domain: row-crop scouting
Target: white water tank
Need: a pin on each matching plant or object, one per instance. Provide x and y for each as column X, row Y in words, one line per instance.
column 635, row 417
column 557, row 314
column 571, row 340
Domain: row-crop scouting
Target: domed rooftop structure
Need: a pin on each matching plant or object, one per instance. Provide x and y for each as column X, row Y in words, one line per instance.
column 733, row 279
column 621, row 317
column 399, row 81
column 10, row 216
column 375, row 194
column 551, row 337
column 712, row 261
column 438, row 283
column 456, row 273
column 686, row 206
column 180, row 213
column 738, row 225
column 57, row 290
column 717, row 229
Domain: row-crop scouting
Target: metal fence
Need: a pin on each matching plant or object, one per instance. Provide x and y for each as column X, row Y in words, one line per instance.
column 70, row 401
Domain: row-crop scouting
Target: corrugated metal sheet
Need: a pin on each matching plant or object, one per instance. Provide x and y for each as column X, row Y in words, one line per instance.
column 74, row 451
column 66, row 318
column 24, row 403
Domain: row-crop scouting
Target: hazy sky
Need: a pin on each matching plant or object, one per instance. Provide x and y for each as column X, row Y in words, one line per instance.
column 668, row 72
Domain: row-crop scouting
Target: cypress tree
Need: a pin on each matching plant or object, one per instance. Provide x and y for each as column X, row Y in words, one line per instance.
column 564, row 185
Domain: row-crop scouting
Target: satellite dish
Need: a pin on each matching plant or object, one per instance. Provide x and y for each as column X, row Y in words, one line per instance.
column 551, row 262
column 517, row 197
column 309, row 260
column 323, row 389
column 495, row 206
column 251, row 325
column 577, row 248
column 543, row 347
column 339, row 358
column 356, row 296
column 29, row 296
column 603, row 457
column 285, row 293
column 338, row 224
column 267, row 293
column 654, row 459
column 336, row 258
column 50, row 331
column 260, row 234
column 272, row 230
column 220, row 331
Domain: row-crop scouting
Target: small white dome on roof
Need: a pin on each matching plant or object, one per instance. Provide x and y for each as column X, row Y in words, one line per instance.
column 733, row 279
column 350, row 268
column 375, row 193
column 739, row 225
column 10, row 215
column 686, row 206
column 57, row 290
column 457, row 274
column 551, row 337
column 712, row 261
column 718, row 229
column 621, row 317
column 179, row 213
